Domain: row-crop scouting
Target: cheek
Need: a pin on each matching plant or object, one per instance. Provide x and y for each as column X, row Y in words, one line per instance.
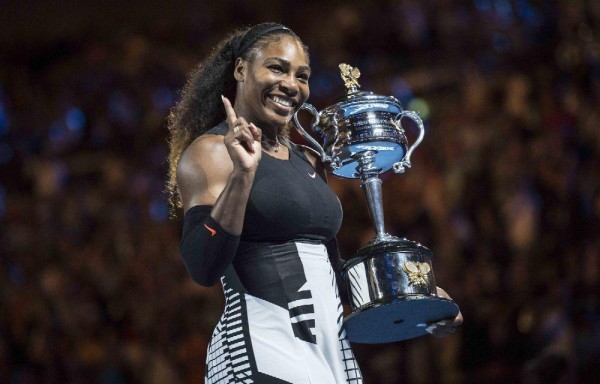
column 265, row 84
column 305, row 92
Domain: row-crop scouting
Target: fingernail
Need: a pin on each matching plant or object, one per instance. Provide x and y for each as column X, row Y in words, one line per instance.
column 222, row 97
column 430, row 329
column 442, row 322
column 422, row 325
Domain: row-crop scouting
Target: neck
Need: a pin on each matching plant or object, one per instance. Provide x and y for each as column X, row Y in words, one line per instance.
column 270, row 135
column 270, row 144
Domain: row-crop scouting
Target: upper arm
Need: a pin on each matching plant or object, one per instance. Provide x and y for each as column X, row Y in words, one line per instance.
column 203, row 171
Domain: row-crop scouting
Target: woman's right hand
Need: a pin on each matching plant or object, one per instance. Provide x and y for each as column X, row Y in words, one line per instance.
column 243, row 140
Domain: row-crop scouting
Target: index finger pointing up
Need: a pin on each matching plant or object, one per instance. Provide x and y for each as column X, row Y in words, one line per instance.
column 231, row 116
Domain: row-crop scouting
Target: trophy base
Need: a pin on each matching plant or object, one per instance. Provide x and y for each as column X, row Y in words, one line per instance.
column 397, row 319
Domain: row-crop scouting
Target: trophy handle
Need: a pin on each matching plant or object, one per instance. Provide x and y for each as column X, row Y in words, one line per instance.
column 405, row 162
column 314, row 144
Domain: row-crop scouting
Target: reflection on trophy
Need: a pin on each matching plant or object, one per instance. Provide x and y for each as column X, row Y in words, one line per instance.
column 390, row 280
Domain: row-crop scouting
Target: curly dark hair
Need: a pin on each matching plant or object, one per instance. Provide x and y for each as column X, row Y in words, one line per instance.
column 200, row 107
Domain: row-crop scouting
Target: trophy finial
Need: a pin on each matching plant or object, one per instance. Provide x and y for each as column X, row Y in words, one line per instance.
column 350, row 75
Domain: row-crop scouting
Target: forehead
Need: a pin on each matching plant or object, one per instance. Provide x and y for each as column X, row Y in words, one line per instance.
column 286, row 47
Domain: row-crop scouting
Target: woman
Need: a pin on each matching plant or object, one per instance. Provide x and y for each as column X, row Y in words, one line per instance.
column 258, row 216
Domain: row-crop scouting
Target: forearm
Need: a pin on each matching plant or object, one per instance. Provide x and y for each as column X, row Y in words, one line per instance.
column 337, row 264
column 206, row 248
column 211, row 234
column 230, row 208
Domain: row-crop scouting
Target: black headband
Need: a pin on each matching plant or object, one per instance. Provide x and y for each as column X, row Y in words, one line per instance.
column 239, row 50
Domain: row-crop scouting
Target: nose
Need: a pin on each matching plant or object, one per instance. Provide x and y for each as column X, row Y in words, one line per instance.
column 289, row 85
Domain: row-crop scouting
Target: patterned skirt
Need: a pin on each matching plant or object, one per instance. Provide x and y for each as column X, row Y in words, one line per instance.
column 282, row 321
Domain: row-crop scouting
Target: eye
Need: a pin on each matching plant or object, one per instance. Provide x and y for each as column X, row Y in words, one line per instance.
column 276, row 68
column 303, row 77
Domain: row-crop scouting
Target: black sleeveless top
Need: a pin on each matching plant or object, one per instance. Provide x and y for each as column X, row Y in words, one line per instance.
column 288, row 200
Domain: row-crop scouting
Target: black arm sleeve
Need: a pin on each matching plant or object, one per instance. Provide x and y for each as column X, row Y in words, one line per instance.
column 337, row 263
column 206, row 248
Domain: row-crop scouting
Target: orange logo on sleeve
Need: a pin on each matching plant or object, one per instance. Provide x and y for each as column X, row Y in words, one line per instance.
column 212, row 231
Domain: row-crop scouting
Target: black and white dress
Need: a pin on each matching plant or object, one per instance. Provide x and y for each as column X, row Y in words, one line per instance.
column 282, row 321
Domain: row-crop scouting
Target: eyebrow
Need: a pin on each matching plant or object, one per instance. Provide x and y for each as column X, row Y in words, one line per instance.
column 284, row 61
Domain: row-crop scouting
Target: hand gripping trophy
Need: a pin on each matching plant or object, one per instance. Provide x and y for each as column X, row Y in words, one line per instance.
column 390, row 280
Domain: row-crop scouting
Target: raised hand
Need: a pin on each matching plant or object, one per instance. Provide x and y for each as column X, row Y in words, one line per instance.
column 242, row 140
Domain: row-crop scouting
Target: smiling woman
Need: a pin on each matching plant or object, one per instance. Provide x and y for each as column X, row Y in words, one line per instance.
column 273, row 84
column 257, row 217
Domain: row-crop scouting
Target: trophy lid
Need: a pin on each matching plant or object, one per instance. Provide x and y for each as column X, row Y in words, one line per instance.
column 355, row 101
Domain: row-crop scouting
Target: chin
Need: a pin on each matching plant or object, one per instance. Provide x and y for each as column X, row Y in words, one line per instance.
column 278, row 120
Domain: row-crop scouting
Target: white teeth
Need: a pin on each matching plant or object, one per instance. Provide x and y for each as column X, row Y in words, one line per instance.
column 280, row 101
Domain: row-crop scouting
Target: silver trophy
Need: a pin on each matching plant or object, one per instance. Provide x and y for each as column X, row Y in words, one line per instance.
column 390, row 280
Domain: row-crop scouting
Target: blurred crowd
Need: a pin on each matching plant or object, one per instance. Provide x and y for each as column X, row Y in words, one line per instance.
column 502, row 190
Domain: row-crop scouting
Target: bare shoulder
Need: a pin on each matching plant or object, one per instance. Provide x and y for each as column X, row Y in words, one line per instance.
column 203, row 170
column 205, row 149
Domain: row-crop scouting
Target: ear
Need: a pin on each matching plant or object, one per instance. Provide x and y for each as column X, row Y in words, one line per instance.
column 239, row 69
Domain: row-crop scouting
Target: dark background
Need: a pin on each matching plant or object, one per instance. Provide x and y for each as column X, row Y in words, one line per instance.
column 504, row 189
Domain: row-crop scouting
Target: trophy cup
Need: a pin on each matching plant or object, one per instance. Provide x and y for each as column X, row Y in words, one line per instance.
column 390, row 280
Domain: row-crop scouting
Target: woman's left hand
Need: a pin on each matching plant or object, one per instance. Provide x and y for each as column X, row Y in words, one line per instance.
column 447, row 326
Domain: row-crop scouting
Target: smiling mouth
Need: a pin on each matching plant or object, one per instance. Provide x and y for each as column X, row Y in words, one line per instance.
column 282, row 101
